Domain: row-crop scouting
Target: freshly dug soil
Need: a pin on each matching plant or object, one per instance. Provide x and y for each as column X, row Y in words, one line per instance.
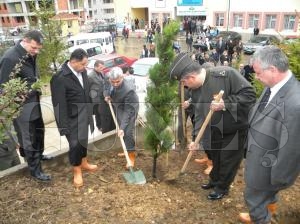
column 107, row 198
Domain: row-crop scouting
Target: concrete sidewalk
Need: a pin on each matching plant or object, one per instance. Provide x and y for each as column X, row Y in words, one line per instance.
column 53, row 141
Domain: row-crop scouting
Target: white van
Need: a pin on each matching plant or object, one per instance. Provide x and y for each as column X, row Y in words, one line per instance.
column 91, row 48
column 103, row 38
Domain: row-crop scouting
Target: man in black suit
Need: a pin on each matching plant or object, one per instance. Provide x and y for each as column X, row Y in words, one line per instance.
column 29, row 124
column 73, row 110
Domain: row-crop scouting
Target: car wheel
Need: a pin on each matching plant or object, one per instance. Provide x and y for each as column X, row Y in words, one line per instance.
column 15, row 33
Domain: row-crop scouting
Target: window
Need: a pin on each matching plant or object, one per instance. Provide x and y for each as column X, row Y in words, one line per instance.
column 253, row 20
column 108, row 10
column 119, row 61
column 270, row 21
column 219, row 19
column 289, row 22
column 3, row 20
column 108, row 1
column 20, row 19
column 237, row 20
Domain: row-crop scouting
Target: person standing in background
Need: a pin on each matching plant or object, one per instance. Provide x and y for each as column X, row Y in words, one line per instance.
column 256, row 31
column 97, row 80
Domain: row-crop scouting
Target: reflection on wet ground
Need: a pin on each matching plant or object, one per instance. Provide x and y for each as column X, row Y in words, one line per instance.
column 132, row 47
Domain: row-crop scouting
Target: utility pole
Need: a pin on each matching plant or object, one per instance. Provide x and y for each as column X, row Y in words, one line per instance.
column 228, row 15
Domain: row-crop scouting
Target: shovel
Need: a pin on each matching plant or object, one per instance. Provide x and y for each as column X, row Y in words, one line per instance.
column 201, row 132
column 132, row 177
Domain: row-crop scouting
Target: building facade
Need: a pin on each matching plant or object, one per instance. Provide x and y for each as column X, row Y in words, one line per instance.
column 270, row 16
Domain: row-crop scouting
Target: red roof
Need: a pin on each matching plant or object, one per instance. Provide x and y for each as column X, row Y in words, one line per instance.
column 65, row 16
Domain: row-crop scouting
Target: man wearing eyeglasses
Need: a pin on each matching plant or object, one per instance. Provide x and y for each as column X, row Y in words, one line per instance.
column 29, row 124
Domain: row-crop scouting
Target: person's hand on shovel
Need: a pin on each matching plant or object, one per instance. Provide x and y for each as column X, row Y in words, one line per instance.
column 217, row 105
column 107, row 99
column 120, row 133
column 185, row 104
column 193, row 147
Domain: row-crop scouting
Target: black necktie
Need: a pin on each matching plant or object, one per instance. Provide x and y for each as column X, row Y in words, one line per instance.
column 264, row 100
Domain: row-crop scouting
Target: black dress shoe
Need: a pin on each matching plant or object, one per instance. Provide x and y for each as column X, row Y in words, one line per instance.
column 45, row 157
column 207, row 186
column 41, row 176
column 216, row 195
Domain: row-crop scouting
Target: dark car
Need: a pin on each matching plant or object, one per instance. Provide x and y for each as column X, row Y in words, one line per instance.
column 226, row 35
column 259, row 41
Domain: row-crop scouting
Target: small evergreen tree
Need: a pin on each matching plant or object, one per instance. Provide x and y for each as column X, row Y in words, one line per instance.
column 161, row 97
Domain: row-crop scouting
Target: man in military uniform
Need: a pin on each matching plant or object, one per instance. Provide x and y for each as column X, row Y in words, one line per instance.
column 225, row 136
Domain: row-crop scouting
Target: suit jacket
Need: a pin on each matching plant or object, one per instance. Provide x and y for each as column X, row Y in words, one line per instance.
column 126, row 103
column 71, row 102
column 97, row 86
column 273, row 156
column 28, row 72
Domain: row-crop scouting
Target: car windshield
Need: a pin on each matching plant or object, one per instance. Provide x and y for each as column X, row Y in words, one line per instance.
column 141, row 69
column 257, row 39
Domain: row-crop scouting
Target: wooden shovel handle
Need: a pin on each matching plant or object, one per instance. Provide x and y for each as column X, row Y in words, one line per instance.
column 121, row 138
column 201, row 131
column 182, row 109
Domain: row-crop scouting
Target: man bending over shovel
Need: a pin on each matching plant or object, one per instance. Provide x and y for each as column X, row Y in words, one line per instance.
column 126, row 104
column 226, row 133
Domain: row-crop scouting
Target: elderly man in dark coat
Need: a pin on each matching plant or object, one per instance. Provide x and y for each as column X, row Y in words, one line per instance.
column 126, row 104
column 225, row 136
column 73, row 110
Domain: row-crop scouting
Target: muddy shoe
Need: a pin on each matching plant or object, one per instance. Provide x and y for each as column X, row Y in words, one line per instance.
column 78, row 181
column 245, row 218
column 88, row 167
column 132, row 159
column 201, row 161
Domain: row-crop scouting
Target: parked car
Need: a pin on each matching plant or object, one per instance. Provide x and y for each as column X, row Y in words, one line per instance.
column 258, row 41
column 141, row 80
column 14, row 31
column 140, row 74
column 92, row 49
column 227, row 35
column 291, row 39
column 109, row 61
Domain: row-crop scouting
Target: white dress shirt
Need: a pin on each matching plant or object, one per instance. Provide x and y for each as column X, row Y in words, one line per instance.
column 77, row 74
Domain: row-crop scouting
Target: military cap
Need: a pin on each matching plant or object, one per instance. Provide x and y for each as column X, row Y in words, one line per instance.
column 182, row 65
